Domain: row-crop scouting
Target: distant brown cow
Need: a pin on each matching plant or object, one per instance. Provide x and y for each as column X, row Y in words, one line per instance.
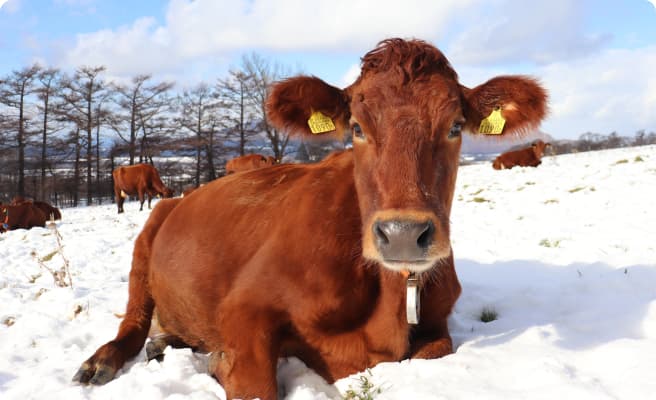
column 327, row 262
column 50, row 211
column 248, row 162
column 527, row 157
column 21, row 216
column 140, row 180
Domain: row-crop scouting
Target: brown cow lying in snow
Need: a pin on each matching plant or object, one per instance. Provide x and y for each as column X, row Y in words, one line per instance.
column 21, row 216
column 249, row 162
column 140, row 180
column 52, row 213
column 527, row 157
column 327, row 262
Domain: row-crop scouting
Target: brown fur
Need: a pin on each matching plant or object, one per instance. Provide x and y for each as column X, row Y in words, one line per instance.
column 50, row 211
column 530, row 156
column 22, row 216
column 140, row 180
column 282, row 261
column 249, row 162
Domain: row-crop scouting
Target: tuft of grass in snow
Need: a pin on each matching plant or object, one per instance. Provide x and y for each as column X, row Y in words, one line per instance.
column 488, row 314
column 9, row 321
column 551, row 201
column 638, row 159
column 577, row 189
column 366, row 389
column 623, row 161
column 39, row 293
column 548, row 243
column 530, row 183
column 480, row 200
column 477, row 192
column 49, row 256
column 33, row 278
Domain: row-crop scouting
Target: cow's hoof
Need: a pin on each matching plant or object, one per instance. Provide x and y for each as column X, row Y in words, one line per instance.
column 155, row 349
column 94, row 374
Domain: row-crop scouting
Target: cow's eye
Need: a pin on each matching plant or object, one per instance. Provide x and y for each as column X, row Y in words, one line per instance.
column 456, row 130
column 357, row 131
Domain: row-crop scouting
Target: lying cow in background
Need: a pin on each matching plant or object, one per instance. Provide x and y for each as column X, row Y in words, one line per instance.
column 527, row 157
column 141, row 180
column 22, row 216
column 327, row 262
column 249, row 162
column 52, row 213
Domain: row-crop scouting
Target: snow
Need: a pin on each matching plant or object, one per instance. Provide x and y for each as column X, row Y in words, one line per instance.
column 564, row 254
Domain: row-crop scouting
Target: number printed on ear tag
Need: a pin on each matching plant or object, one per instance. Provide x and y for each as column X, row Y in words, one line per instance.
column 493, row 123
column 320, row 123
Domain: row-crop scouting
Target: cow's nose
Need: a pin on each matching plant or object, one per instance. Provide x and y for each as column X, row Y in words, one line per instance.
column 403, row 241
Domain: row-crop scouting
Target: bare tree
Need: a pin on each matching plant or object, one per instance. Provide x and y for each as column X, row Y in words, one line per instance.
column 264, row 74
column 236, row 94
column 82, row 94
column 139, row 103
column 14, row 91
column 198, row 108
column 48, row 89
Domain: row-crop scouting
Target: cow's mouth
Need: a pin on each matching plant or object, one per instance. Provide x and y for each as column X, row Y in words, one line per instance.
column 416, row 266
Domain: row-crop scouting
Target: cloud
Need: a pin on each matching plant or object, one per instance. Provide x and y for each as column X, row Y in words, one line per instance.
column 351, row 75
column 213, row 28
column 9, row 6
column 612, row 91
column 521, row 31
column 653, row 2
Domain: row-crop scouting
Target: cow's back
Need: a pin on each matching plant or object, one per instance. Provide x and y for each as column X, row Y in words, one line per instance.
column 131, row 178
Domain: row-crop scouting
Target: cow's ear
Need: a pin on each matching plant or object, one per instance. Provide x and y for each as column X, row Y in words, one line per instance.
column 520, row 101
column 308, row 106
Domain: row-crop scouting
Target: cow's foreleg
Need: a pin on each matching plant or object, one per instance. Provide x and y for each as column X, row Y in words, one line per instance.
column 245, row 364
column 109, row 358
column 437, row 344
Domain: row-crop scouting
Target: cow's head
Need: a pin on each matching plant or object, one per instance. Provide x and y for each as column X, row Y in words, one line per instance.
column 167, row 193
column 539, row 148
column 406, row 113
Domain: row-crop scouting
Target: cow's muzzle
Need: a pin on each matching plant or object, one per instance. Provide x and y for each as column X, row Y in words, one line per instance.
column 403, row 241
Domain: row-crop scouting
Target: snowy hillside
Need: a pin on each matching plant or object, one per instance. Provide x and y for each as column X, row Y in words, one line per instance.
column 564, row 254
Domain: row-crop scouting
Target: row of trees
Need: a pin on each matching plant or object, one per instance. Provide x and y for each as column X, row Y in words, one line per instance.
column 591, row 141
column 61, row 134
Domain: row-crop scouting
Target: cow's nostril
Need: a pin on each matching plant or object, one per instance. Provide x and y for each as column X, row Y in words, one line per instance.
column 380, row 234
column 426, row 237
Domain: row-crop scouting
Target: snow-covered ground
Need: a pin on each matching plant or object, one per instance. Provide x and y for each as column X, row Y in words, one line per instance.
column 565, row 254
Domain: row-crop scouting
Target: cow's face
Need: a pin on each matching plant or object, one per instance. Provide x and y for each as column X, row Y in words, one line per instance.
column 406, row 113
column 406, row 143
column 539, row 148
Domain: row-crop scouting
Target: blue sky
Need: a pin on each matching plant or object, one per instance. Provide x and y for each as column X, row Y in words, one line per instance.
column 596, row 58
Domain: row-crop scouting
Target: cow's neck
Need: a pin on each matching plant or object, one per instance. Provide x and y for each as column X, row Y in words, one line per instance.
column 389, row 317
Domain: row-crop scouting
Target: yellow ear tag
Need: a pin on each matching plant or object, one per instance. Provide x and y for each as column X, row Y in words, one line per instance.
column 320, row 123
column 493, row 123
